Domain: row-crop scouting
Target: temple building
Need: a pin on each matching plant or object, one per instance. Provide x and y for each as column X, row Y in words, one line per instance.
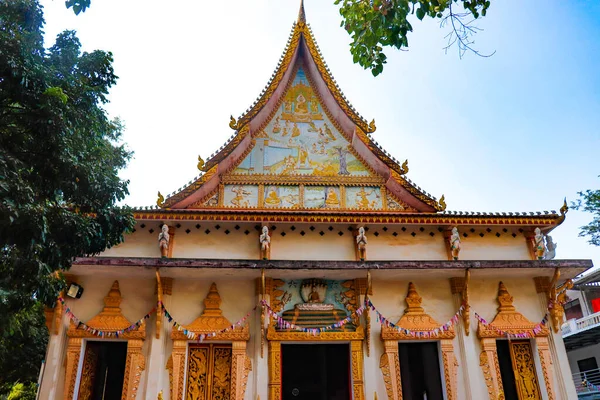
column 303, row 263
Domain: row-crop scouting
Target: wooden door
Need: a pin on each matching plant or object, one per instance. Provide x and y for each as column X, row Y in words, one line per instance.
column 523, row 364
column 209, row 372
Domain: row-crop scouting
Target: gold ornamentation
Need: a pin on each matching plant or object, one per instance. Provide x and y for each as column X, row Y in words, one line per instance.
column 339, row 216
column 404, row 167
column 88, row 372
column 487, row 374
column 169, row 367
column 372, row 126
column 565, row 208
column 450, row 369
column 200, row 164
column 415, row 319
column 442, row 203
column 461, row 286
column 557, row 296
column 161, row 200
column 209, row 321
column 389, row 363
column 508, row 319
column 524, row 370
column 546, row 362
column 233, row 123
column 488, row 360
column 109, row 319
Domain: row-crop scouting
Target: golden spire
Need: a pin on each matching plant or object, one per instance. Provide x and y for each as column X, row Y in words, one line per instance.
column 301, row 13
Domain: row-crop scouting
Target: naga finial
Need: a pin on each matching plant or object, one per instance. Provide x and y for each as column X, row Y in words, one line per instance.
column 200, row 163
column 565, row 208
column 442, row 203
column 233, row 123
column 161, row 199
column 372, row 126
column 404, row 167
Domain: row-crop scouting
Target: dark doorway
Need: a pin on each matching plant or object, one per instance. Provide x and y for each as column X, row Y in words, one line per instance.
column 420, row 371
column 107, row 374
column 315, row 371
column 506, row 370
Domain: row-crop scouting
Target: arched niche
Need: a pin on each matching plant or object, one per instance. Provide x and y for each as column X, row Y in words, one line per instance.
column 418, row 321
column 110, row 319
column 509, row 321
column 211, row 320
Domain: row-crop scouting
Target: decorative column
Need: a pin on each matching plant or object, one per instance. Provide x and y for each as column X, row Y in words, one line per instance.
column 450, row 369
column 73, row 354
column 274, row 370
column 543, row 347
column 176, row 367
column 467, row 348
column 135, row 365
column 488, row 360
column 389, row 364
column 357, row 369
column 158, row 343
column 559, row 373
column 240, row 367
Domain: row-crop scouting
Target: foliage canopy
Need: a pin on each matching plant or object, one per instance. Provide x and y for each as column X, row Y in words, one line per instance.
column 59, row 159
column 589, row 201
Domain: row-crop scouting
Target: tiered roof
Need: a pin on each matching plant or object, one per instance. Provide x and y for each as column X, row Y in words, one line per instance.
column 302, row 152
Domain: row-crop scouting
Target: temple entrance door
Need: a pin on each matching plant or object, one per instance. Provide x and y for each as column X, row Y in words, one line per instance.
column 315, row 371
column 517, row 369
column 209, row 372
column 420, row 371
column 103, row 371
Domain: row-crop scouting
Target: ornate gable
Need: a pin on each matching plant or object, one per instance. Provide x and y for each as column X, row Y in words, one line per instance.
column 302, row 146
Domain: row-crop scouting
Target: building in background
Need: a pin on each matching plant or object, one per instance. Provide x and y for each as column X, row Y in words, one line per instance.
column 581, row 334
column 303, row 263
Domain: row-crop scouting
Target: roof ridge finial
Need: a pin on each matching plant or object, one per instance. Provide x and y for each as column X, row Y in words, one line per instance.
column 301, row 13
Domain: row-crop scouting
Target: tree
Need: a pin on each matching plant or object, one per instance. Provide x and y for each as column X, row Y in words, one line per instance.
column 589, row 201
column 375, row 24
column 59, row 160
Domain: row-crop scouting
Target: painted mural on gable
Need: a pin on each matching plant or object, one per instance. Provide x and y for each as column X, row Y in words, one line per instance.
column 301, row 140
column 315, row 302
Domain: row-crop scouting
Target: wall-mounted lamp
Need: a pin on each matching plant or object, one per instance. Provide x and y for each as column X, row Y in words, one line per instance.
column 74, row 291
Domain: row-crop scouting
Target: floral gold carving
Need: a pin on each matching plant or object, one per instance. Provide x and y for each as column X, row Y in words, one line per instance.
column 508, row 319
column 209, row 321
column 546, row 362
column 524, row 370
column 110, row 319
column 416, row 319
column 88, row 373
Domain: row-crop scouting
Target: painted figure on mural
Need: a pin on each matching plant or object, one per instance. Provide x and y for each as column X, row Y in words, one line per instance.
column 272, row 198
column 332, row 199
column 539, row 245
column 361, row 243
column 163, row 241
column 301, row 106
column 240, row 196
column 341, row 153
column 295, row 130
column 277, row 126
column 455, row 243
column 265, row 243
column 363, row 202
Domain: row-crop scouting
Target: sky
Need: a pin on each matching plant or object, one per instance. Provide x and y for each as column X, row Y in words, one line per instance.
column 518, row 131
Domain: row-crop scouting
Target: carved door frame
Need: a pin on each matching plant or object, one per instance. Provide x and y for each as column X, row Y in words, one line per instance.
column 355, row 339
column 109, row 319
column 509, row 320
column 416, row 320
column 210, row 321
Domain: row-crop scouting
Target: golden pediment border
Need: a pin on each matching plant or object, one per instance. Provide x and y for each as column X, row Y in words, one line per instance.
column 508, row 319
column 296, row 336
column 110, row 319
column 211, row 320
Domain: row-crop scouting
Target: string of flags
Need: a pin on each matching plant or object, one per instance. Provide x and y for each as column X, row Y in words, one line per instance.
column 521, row 335
column 201, row 336
column 425, row 333
column 104, row 334
column 283, row 324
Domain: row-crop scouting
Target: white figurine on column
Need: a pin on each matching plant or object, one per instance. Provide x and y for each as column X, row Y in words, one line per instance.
column 361, row 244
column 455, row 243
column 265, row 243
column 163, row 241
column 539, row 245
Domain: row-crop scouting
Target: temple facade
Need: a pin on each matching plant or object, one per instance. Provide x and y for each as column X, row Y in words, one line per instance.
column 303, row 263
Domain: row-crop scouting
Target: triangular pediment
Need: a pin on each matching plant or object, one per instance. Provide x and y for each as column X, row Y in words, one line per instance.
column 302, row 146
